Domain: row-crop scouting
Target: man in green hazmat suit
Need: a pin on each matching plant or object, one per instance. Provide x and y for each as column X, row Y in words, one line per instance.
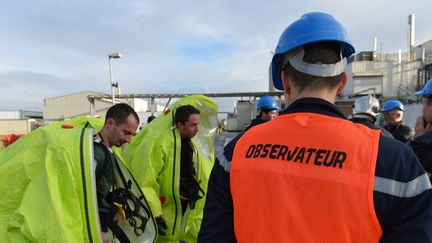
column 172, row 161
column 48, row 188
column 121, row 123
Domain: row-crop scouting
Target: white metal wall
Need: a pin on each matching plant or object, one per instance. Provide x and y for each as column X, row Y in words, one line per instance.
column 71, row 105
column 15, row 126
column 393, row 75
column 4, row 115
column 77, row 104
column 244, row 113
column 412, row 111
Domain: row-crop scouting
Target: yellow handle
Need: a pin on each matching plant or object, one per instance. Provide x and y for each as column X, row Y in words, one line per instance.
column 121, row 210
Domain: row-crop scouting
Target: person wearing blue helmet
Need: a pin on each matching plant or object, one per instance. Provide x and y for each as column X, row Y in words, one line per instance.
column 311, row 175
column 422, row 142
column 267, row 110
column 393, row 111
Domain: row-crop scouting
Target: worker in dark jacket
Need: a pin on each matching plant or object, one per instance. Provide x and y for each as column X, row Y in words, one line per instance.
column 121, row 123
column 310, row 175
column 422, row 142
column 267, row 111
column 393, row 111
column 366, row 108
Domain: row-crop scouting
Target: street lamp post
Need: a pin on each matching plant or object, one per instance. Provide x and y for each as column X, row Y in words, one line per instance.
column 112, row 55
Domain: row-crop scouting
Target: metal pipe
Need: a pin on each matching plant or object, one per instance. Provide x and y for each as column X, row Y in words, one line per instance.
column 111, row 80
column 112, row 55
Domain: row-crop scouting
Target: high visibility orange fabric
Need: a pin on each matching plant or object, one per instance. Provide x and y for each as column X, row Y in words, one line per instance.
column 305, row 177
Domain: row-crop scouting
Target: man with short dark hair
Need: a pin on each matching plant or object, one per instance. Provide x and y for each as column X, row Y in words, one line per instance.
column 311, row 175
column 121, row 123
column 171, row 173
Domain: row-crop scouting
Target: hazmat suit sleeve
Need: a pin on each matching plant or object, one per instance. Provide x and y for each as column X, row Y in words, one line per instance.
column 146, row 165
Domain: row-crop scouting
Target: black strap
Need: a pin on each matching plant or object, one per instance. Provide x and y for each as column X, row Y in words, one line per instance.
column 131, row 206
column 191, row 190
column 133, row 211
column 117, row 231
column 125, row 197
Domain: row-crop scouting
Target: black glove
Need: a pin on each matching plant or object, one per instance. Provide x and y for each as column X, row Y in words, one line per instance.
column 162, row 226
column 191, row 190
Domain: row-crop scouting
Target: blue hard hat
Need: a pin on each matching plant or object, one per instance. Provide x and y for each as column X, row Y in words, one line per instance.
column 310, row 28
column 267, row 102
column 393, row 105
column 427, row 89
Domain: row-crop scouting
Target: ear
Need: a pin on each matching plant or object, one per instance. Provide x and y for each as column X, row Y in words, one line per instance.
column 110, row 122
column 342, row 84
column 285, row 82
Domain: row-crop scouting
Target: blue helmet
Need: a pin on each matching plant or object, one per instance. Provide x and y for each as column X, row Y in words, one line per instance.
column 393, row 105
column 427, row 89
column 267, row 102
column 310, row 28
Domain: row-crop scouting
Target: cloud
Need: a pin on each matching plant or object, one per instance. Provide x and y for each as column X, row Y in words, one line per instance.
column 19, row 88
column 50, row 48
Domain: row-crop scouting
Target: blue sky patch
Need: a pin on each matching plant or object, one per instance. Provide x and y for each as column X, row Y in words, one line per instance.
column 208, row 52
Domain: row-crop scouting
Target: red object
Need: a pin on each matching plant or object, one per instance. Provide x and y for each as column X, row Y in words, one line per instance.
column 162, row 199
column 67, row 126
column 167, row 111
column 10, row 138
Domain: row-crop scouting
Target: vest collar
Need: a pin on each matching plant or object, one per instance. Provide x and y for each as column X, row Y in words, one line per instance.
column 314, row 105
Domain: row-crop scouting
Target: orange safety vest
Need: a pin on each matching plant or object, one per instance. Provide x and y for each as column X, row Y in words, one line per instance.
column 305, row 177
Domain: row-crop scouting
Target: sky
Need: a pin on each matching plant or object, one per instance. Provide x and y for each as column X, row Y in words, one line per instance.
column 51, row 48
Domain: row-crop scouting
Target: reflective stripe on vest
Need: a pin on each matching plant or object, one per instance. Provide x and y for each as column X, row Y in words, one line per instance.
column 305, row 177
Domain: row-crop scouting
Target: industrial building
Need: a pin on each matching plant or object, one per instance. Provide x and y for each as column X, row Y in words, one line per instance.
column 19, row 121
column 82, row 104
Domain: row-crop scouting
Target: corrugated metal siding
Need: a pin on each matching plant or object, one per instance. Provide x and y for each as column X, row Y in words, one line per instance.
column 393, row 74
column 71, row 105
column 15, row 126
column 4, row 115
column 77, row 104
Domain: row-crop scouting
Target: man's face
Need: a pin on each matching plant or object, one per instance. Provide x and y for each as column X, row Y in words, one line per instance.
column 268, row 116
column 392, row 118
column 427, row 110
column 190, row 128
column 123, row 133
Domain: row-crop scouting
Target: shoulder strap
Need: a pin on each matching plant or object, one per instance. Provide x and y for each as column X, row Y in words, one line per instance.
column 105, row 161
column 118, row 232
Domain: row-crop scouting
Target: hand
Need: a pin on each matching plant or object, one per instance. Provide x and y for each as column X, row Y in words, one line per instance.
column 420, row 127
column 105, row 238
column 162, row 226
column 118, row 218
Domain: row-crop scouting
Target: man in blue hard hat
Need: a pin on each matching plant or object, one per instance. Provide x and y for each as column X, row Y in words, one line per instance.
column 393, row 111
column 310, row 175
column 267, row 110
column 422, row 142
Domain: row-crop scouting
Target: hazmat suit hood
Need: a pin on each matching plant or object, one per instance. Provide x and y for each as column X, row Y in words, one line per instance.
column 47, row 183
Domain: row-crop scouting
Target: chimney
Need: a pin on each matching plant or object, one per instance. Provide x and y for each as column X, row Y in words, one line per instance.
column 411, row 34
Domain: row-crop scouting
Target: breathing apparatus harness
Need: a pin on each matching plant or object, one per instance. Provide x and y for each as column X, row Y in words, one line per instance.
column 123, row 201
